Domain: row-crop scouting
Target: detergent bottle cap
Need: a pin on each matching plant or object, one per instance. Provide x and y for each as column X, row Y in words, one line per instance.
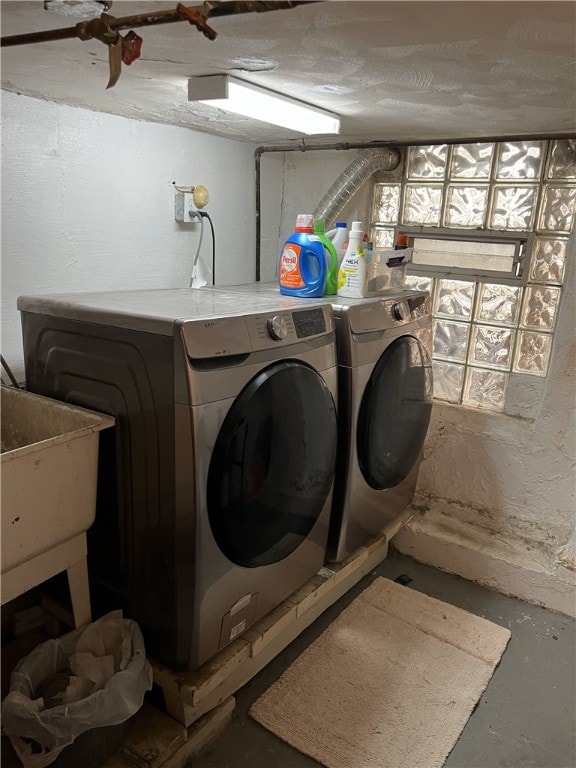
column 402, row 240
column 341, row 224
column 357, row 228
column 304, row 222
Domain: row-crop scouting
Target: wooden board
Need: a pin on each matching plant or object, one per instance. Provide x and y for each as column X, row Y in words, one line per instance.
column 157, row 741
column 190, row 695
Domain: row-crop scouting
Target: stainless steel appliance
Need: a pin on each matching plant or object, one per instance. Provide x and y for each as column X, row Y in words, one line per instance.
column 384, row 347
column 215, row 487
column 384, row 407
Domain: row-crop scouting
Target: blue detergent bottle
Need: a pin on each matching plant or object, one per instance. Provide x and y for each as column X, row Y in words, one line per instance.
column 303, row 266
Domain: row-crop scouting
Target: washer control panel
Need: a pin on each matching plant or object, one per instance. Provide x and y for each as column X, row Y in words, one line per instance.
column 289, row 326
column 277, row 327
column 309, row 322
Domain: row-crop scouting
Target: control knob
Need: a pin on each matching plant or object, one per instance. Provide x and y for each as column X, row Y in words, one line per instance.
column 398, row 312
column 277, row 327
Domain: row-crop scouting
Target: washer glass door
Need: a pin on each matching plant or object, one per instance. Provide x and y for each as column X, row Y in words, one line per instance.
column 394, row 414
column 272, row 466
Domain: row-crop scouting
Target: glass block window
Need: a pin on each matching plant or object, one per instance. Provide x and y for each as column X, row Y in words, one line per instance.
column 451, row 340
column 557, row 209
column 491, row 347
column 497, row 321
column 383, row 238
column 471, row 161
column 519, row 160
column 454, row 299
column 386, row 203
column 562, row 163
column 539, row 307
column 513, row 207
column 465, row 206
column 532, row 353
column 547, row 264
column 419, row 283
column 427, row 162
column 422, row 204
column 485, row 389
column 498, row 304
column 448, row 381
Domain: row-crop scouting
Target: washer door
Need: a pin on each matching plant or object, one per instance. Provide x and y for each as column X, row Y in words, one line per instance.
column 394, row 414
column 272, row 466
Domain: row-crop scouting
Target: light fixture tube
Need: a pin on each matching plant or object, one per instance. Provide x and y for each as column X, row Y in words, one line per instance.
column 232, row 95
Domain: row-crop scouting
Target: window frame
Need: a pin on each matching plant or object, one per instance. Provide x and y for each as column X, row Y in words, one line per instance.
column 523, row 242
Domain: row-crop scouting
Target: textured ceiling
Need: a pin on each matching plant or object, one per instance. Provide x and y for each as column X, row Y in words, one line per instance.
column 393, row 71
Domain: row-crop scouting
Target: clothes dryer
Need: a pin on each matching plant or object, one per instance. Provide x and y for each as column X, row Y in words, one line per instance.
column 215, row 487
column 384, row 408
column 384, row 348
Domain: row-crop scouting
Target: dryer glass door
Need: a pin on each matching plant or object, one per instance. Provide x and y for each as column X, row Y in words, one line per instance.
column 394, row 414
column 272, row 467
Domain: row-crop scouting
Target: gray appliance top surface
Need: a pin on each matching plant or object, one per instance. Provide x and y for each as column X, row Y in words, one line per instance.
column 373, row 313
column 269, row 290
column 156, row 310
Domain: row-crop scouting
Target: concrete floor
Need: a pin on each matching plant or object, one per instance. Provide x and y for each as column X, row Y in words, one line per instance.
column 525, row 719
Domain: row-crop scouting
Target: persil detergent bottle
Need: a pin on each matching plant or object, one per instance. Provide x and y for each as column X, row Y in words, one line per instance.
column 331, row 258
column 352, row 272
column 303, row 265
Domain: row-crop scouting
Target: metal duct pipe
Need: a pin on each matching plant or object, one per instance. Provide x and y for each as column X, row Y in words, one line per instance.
column 352, row 178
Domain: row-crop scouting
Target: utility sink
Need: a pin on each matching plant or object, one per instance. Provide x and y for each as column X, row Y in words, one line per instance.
column 49, row 464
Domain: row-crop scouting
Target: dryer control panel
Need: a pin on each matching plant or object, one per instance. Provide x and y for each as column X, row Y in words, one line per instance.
column 387, row 313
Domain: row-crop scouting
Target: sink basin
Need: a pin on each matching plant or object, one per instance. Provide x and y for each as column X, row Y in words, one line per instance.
column 49, row 464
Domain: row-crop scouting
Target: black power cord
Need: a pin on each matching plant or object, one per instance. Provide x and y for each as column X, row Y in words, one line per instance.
column 207, row 216
column 9, row 372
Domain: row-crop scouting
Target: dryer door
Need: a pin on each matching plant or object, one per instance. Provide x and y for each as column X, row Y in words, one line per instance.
column 272, row 467
column 394, row 414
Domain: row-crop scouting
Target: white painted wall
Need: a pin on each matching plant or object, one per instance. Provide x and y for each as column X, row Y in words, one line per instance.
column 88, row 204
column 495, row 499
column 293, row 183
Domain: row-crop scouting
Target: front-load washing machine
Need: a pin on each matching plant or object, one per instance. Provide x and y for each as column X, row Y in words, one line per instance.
column 215, row 487
column 384, row 347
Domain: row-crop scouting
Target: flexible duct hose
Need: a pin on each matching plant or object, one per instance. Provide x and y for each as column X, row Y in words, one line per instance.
column 352, row 178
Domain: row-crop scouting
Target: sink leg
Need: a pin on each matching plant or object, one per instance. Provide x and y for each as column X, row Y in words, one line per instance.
column 79, row 592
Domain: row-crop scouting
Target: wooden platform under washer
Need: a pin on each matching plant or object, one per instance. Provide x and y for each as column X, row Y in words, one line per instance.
column 200, row 704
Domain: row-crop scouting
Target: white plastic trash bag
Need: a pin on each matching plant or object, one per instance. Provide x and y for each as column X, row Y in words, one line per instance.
column 93, row 677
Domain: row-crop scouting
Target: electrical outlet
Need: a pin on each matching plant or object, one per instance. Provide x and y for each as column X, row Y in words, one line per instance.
column 183, row 205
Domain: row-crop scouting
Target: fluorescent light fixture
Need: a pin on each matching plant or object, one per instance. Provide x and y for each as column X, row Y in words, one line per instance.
column 232, row 95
